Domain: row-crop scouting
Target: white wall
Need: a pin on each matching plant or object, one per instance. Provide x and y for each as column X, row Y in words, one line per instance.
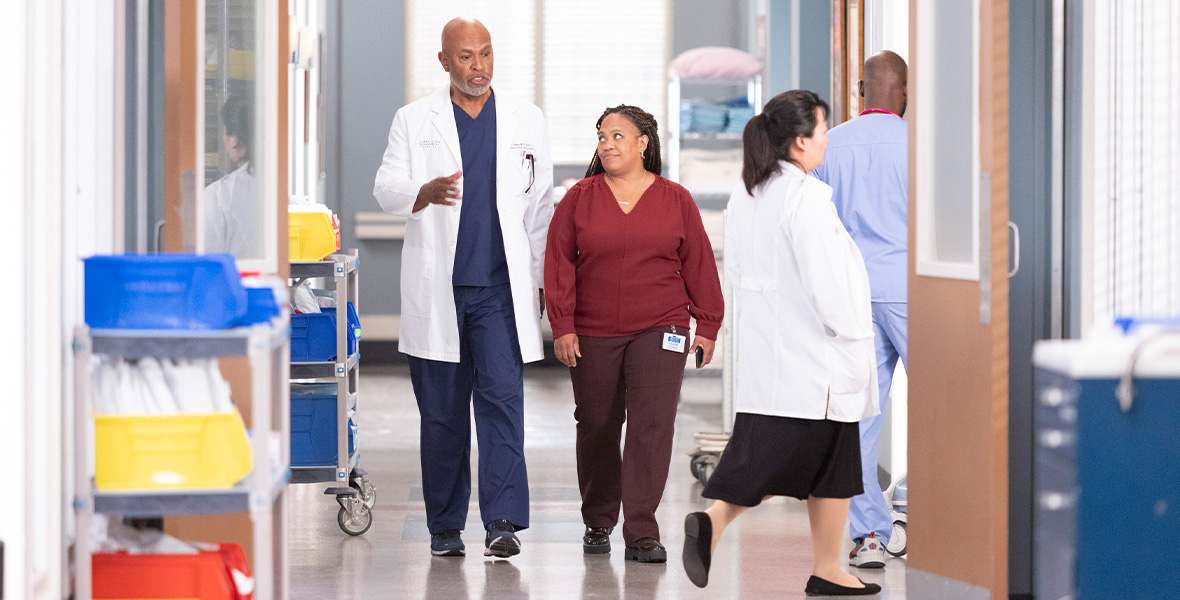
column 57, row 158
column 12, row 246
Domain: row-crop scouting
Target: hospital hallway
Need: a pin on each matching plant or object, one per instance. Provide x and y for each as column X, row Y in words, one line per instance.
column 765, row 553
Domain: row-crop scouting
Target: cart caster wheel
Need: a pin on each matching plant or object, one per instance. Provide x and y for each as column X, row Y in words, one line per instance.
column 702, row 466
column 365, row 491
column 706, row 472
column 897, row 540
column 356, row 525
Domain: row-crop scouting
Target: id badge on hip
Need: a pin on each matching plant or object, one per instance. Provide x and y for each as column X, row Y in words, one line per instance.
column 674, row 342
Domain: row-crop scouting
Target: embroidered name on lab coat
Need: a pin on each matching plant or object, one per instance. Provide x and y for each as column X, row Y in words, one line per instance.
column 429, row 144
column 522, row 146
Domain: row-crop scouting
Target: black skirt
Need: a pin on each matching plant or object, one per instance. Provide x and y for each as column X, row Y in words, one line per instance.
column 786, row 456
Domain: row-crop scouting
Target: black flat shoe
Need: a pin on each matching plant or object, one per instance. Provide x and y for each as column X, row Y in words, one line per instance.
column 823, row 587
column 596, row 540
column 698, row 542
column 646, row 550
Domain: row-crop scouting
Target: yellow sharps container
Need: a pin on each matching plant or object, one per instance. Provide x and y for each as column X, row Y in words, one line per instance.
column 313, row 230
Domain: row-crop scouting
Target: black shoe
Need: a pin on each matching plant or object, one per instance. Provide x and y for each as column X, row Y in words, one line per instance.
column 447, row 543
column 823, row 587
column 698, row 547
column 646, row 550
column 596, row 540
column 501, row 541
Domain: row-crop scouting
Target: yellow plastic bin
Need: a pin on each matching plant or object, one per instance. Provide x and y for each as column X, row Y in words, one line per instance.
column 170, row 452
column 240, row 64
column 313, row 231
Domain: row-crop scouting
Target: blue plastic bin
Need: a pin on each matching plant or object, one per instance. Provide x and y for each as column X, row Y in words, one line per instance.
column 313, row 335
column 260, row 307
column 313, row 425
column 163, row 291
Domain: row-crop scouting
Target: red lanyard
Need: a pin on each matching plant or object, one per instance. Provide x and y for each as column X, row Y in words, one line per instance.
column 879, row 110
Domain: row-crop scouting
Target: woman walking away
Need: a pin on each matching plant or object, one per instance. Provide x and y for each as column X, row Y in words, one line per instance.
column 805, row 364
column 627, row 263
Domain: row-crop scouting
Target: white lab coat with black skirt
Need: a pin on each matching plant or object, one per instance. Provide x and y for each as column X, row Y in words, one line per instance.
column 423, row 145
column 802, row 316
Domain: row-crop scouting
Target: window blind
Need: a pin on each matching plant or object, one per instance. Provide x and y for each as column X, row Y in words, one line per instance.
column 511, row 23
column 590, row 59
column 600, row 54
column 1136, row 208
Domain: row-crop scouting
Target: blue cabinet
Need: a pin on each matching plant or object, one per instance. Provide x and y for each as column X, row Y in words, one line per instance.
column 1107, row 477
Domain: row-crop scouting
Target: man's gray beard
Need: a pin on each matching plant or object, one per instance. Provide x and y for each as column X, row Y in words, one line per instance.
column 470, row 91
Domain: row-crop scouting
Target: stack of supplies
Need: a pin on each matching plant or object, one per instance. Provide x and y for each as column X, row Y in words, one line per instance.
column 707, row 116
column 737, row 117
column 159, row 387
column 160, row 424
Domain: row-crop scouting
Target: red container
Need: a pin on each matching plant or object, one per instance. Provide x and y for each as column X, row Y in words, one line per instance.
column 201, row 576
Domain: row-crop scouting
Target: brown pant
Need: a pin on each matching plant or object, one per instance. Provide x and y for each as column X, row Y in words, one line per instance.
column 633, row 379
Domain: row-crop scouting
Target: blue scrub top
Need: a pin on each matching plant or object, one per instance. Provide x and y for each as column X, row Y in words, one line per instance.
column 867, row 166
column 479, row 251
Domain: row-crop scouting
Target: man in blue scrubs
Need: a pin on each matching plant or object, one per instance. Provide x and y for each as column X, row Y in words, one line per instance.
column 470, row 170
column 866, row 164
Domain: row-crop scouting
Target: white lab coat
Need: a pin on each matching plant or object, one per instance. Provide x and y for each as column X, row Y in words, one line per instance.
column 233, row 215
column 802, row 315
column 423, row 145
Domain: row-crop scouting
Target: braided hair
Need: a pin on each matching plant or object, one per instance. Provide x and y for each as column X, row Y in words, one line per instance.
column 646, row 124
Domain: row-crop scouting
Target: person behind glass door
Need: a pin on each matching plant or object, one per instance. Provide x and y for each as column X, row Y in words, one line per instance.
column 233, row 211
column 804, row 341
column 867, row 166
column 471, row 276
column 628, row 262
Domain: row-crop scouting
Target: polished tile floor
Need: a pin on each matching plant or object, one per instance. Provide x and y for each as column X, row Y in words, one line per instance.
column 766, row 553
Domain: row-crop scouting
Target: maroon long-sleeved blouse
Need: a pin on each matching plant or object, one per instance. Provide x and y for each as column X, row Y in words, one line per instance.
column 610, row 273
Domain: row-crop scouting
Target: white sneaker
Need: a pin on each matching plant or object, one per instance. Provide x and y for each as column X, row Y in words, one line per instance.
column 869, row 553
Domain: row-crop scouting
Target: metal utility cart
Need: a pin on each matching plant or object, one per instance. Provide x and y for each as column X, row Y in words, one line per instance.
column 706, row 194
column 711, row 195
column 710, row 445
column 353, row 491
column 260, row 493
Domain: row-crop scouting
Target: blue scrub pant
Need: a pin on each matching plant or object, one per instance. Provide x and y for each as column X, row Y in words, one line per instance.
column 868, row 512
column 489, row 365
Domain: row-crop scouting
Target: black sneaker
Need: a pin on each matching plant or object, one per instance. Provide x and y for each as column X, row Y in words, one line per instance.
column 501, row 540
column 596, row 540
column 646, row 550
column 447, row 543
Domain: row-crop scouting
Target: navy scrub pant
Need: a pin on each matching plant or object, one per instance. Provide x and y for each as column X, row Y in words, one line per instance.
column 490, row 365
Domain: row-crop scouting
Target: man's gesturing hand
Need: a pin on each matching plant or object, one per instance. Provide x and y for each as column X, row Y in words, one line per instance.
column 440, row 190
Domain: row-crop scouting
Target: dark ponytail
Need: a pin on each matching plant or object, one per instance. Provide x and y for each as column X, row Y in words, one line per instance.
column 768, row 137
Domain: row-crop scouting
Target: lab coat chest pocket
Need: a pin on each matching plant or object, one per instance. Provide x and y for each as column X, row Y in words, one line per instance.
column 417, row 281
column 525, row 179
column 523, row 160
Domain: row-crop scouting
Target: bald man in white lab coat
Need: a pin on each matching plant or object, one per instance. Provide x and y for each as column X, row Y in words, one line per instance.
column 471, row 170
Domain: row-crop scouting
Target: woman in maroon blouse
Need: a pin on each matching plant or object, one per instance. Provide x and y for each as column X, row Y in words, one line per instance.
column 627, row 263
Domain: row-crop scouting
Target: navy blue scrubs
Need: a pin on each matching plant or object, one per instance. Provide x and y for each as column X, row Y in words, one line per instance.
column 490, row 373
